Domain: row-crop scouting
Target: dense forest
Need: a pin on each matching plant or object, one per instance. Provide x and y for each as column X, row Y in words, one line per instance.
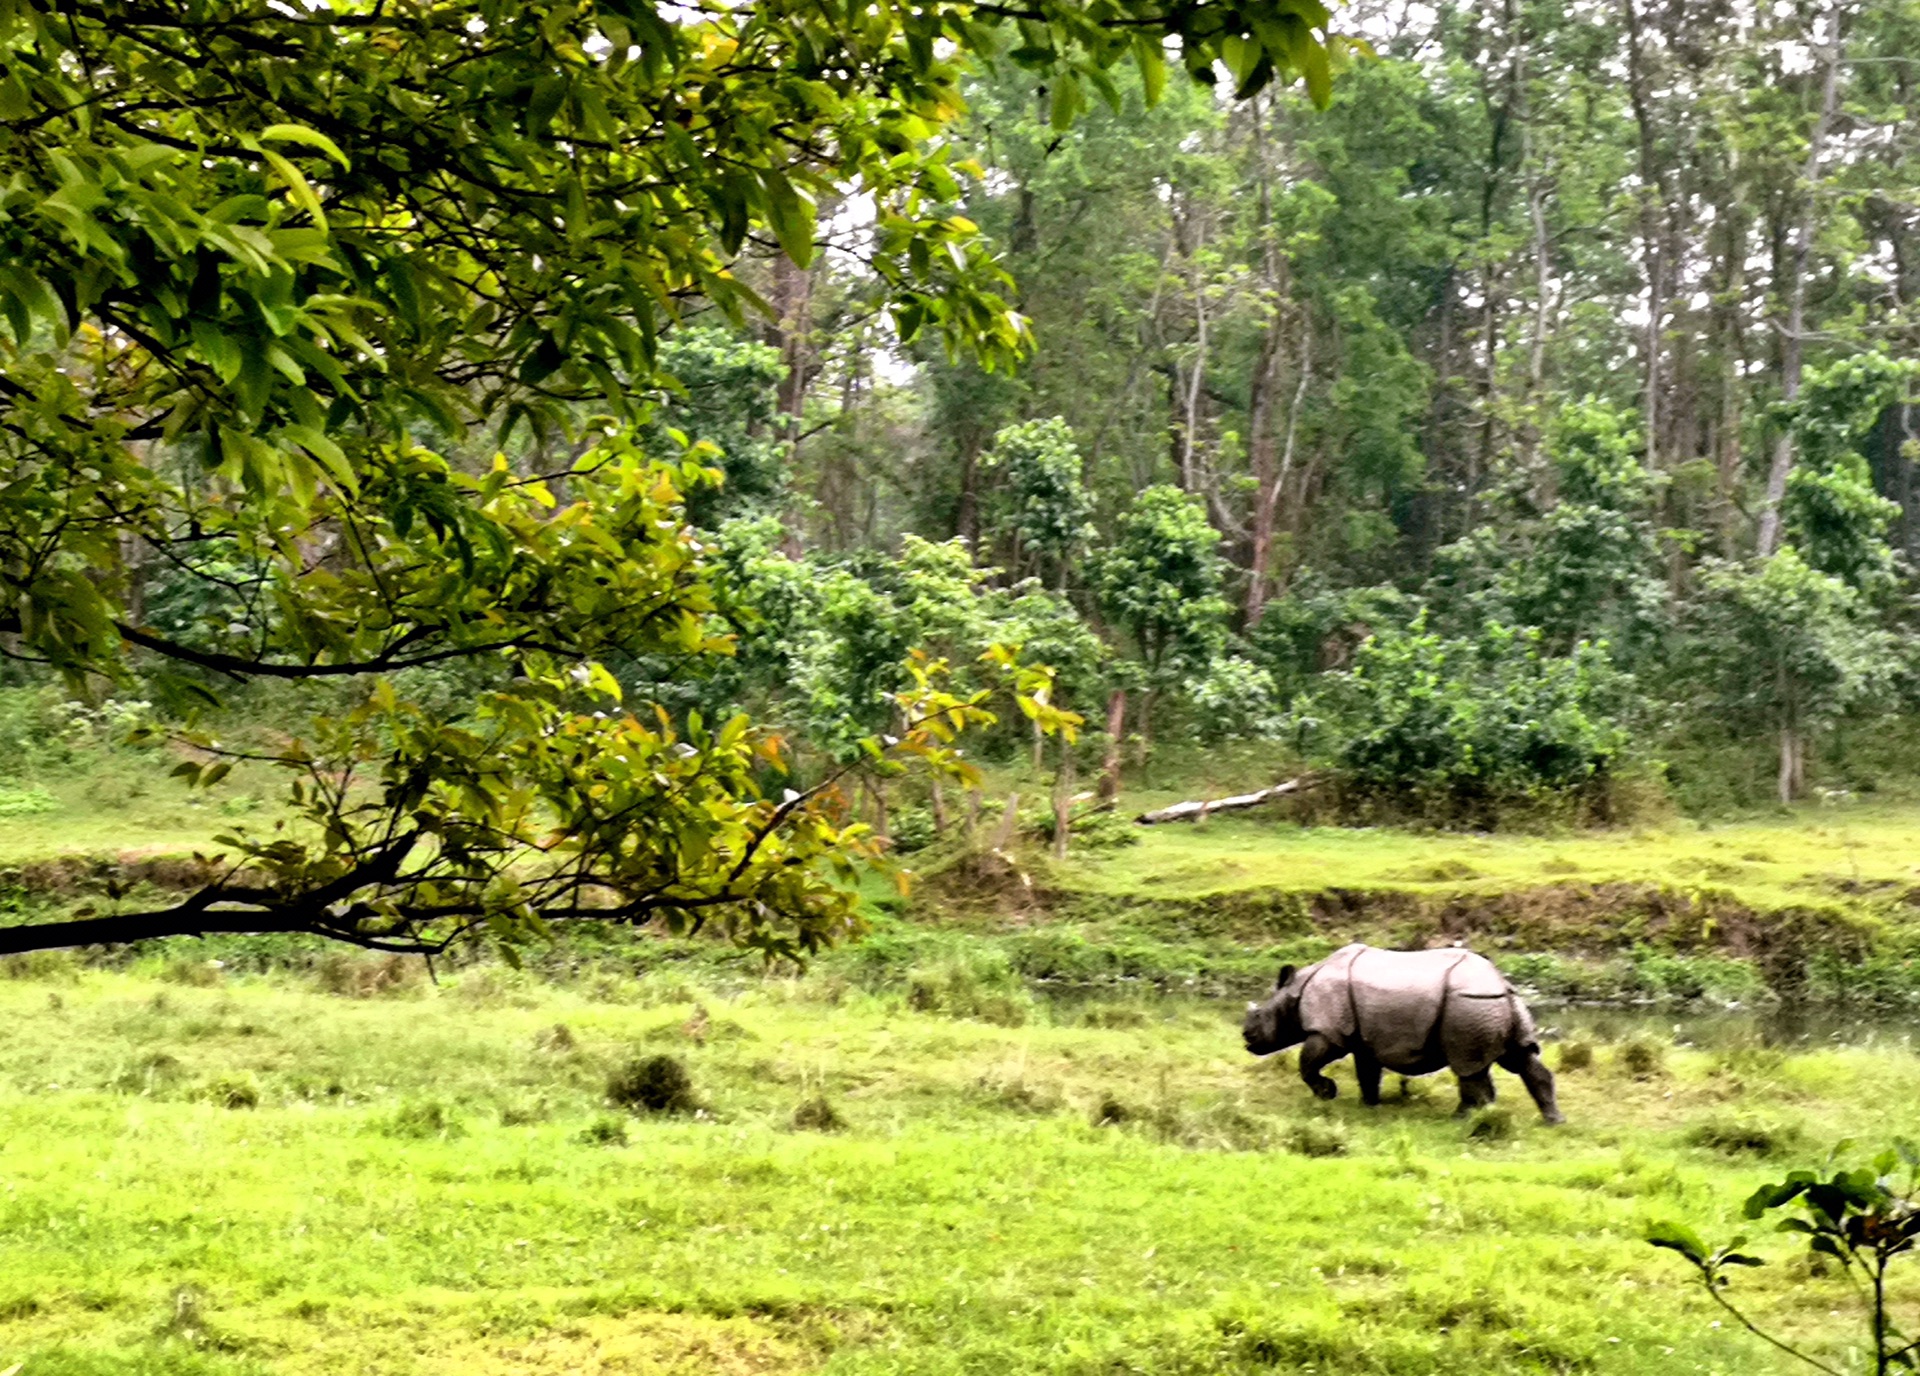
column 1545, row 402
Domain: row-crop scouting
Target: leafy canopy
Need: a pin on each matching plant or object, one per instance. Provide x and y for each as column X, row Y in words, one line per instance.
column 277, row 281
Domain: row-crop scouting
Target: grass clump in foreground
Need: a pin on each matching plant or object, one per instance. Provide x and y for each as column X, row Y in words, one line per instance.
column 389, row 1205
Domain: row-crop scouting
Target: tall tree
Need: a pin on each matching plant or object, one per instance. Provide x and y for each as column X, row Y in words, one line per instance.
column 260, row 264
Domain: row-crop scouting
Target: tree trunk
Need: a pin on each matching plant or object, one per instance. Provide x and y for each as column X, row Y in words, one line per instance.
column 1009, row 823
column 1731, row 218
column 1271, row 485
column 937, row 800
column 1652, row 238
column 1793, row 764
column 1062, row 801
column 1265, row 380
column 1190, row 422
column 793, row 299
column 1116, row 727
column 1795, row 328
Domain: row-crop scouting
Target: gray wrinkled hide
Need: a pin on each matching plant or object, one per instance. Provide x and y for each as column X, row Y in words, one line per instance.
column 1410, row 1012
column 1394, row 1003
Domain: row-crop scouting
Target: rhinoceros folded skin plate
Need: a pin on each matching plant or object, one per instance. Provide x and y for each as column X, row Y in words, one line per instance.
column 1411, row 1012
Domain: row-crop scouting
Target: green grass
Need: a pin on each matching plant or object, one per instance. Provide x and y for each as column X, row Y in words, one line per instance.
column 1808, row 854
column 429, row 1182
column 122, row 803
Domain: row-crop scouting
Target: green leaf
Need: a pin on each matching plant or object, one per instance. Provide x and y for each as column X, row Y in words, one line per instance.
column 1151, row 60
column 792, row 216
column 1678, row 1238
column 297, row 186
column 312, row 138
column 544, row 102
column 1773, row 1196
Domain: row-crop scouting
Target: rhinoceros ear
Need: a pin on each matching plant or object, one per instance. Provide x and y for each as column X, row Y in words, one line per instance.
column 1280, row 980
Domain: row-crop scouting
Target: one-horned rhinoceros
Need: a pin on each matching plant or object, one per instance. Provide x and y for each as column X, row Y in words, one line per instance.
column 1412, row 1012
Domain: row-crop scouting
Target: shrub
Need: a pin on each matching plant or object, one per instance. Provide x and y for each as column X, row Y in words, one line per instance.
column 26, row 802
column 911, row 828
column 818, row 1115
column 652, row 1084
column 1575, row 1056
column 519, row 1114
column 1234, row 699
column 1105, row 831
column 1455, row 731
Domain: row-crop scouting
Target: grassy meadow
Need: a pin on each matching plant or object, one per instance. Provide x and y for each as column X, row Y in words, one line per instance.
column 236, row 1158
column 208, row 1174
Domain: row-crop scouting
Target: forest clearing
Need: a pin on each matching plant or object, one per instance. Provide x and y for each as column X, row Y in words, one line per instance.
column 918, row 1157
column 754, row 687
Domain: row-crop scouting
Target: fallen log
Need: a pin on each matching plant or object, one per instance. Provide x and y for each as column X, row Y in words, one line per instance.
column 1198, row 810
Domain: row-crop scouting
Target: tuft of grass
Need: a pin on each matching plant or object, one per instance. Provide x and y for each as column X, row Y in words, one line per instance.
column 1110, row 1112
column 604, row 1131
column 520, row 1113
column 421, row 1120
column 1018, row 1093
column 197, row 974
column 1640, row 1058
column 1574, row 1056
column 981, row 986
column 1319, row 1137
column 817, row 1114
column 234, row 1091
column 1493, row 1123
column 358, row 975
column 1743, row 1137
column 652, row 1084
column 557, row 1040
column 45, row 967
column 152, row 1073
column 1114, row 1015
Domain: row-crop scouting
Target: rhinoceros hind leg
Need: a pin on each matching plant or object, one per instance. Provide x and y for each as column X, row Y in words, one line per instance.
column 1526, row 1063
column 1316, row 1052
column 1476, row 1091
column 1366, row 1070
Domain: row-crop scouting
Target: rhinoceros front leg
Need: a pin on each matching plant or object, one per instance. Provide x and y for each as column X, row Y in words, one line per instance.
column 1316, row 1053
